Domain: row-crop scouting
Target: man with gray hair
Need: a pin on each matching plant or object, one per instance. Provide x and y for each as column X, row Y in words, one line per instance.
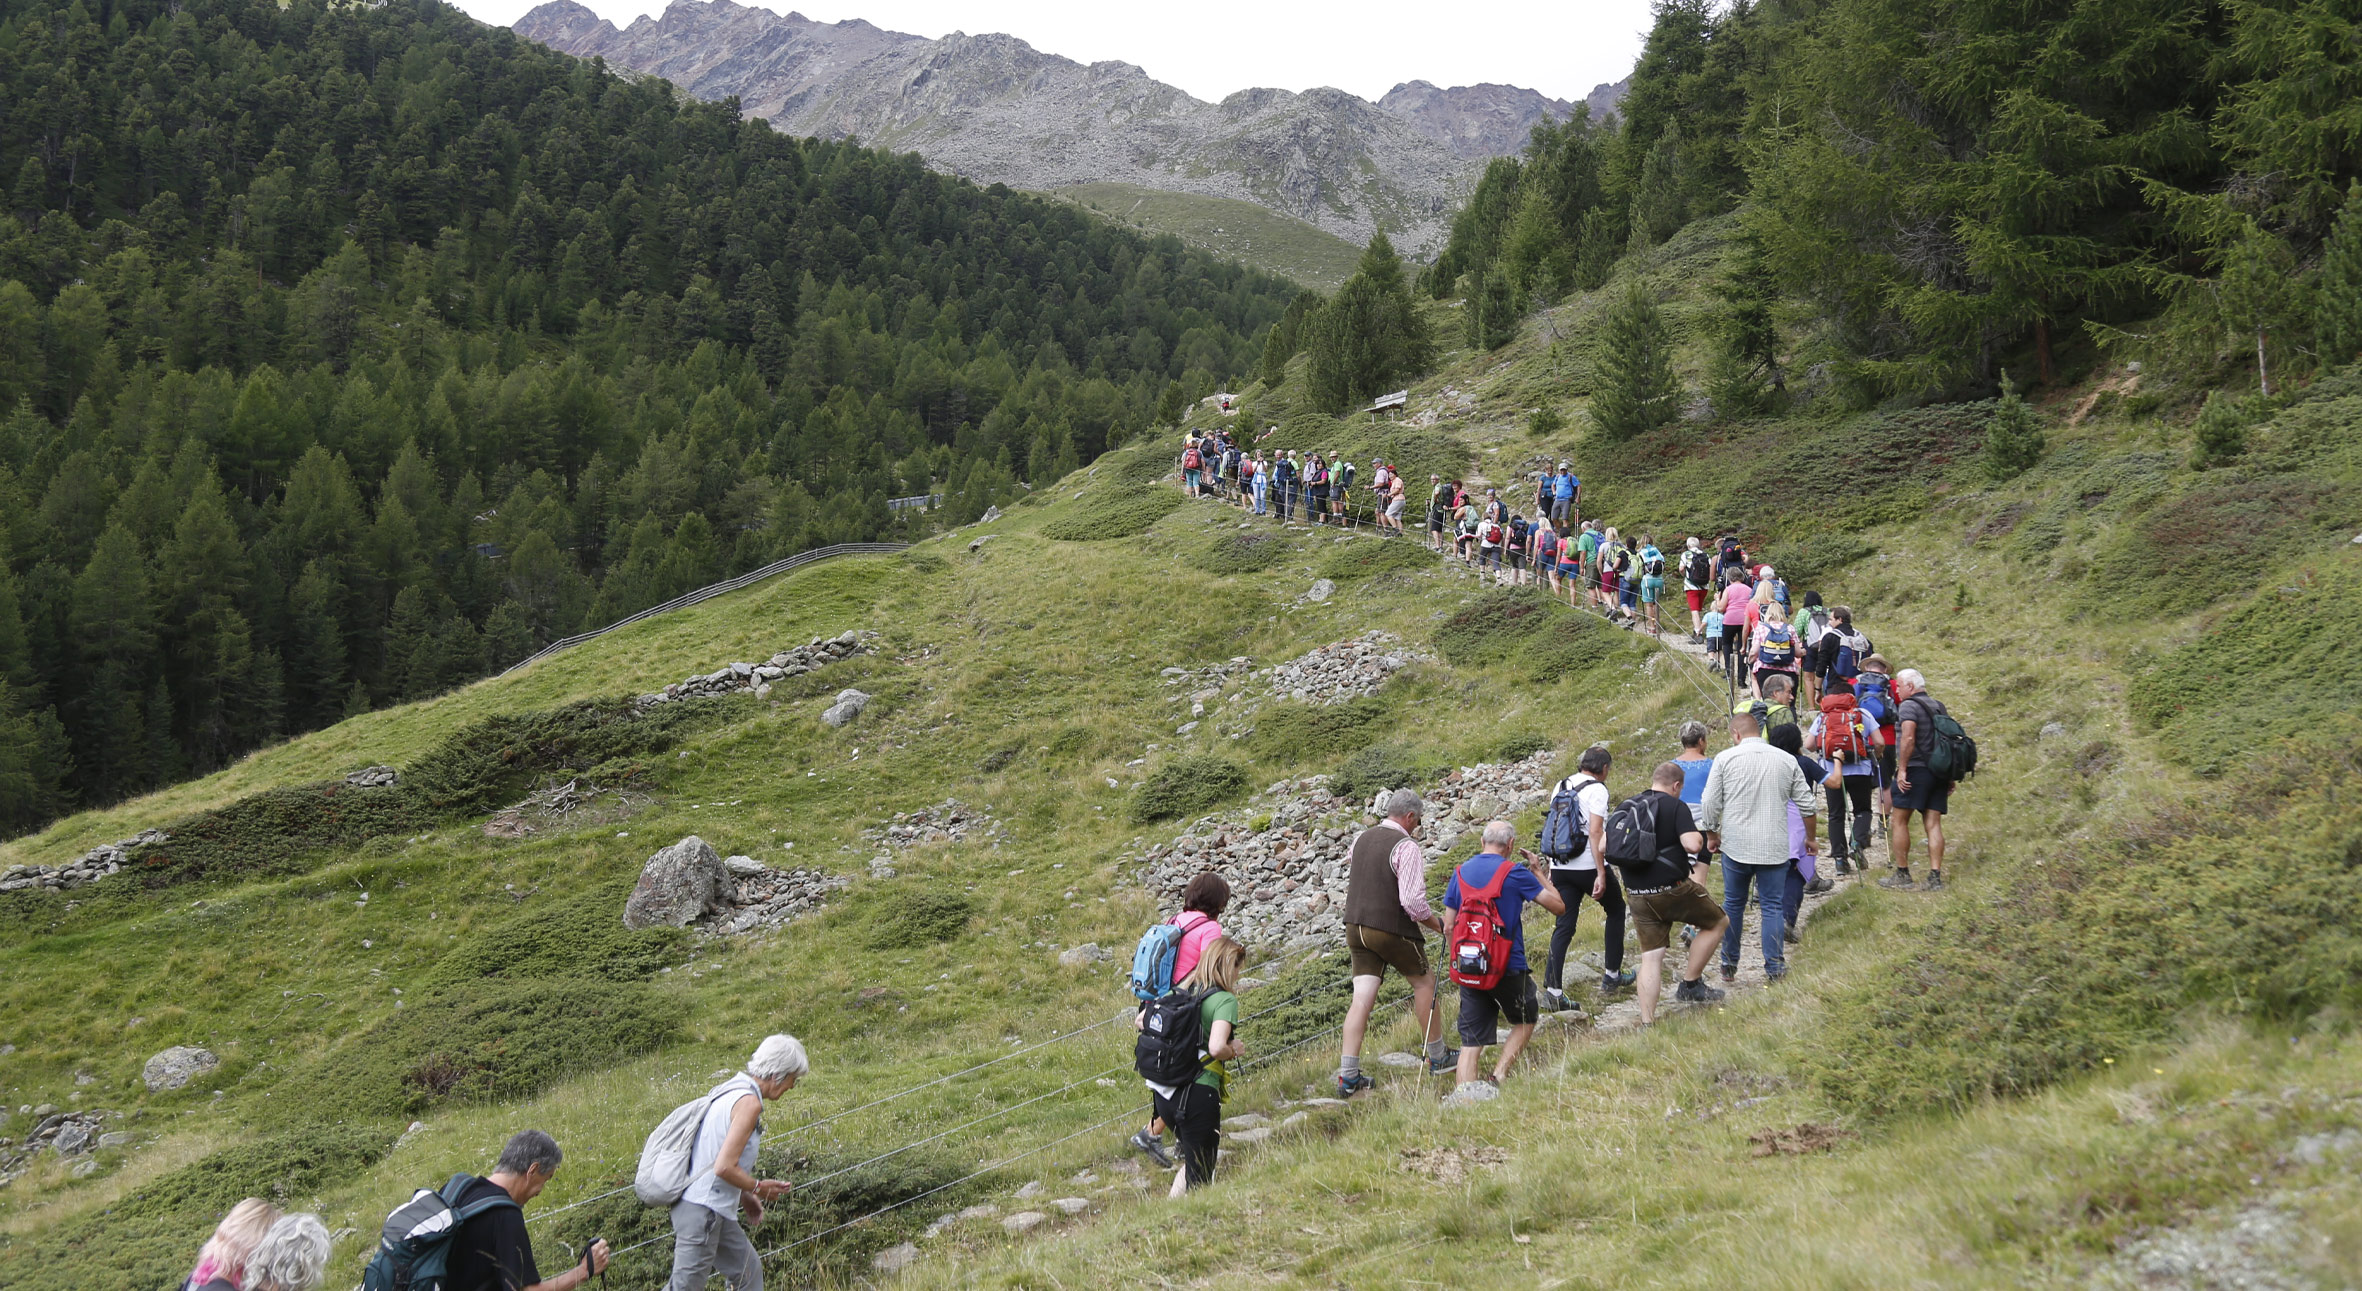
column 707, row 1235
column 1917, row 791
column 1385, row 908
column 1491, row 876
column 491, row 1251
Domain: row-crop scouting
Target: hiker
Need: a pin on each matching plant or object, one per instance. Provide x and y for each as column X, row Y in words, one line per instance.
column 1570, row 566
column 1316, row 490
column 1341, row 490
column 1490, row 874
column 1730, row 561
column 1283, row 482
column 1846, row 735
column 1917, row 791
column 1841, row 651
column 292, row 1255
column 1206, row 897
column 490, row 1250
column 1545, row 547
column 1262, row 485
column 1738, row 622
column 1777, row 706
column 1579, row 874
column 1652, row 581
column 1566, row 497
column 1670, row 889
column 221, row 1262
column 1397, row 498
column 1193, row 467
column 1439, row 500
column 1811, row 622
column 1694, row 763
column 1543, row 488
column 707, row 1235
column 1385, row 907
column 1490, row 534
column 1774, row 650
column 1464, row 527
column 1874, row 691
column 1804, row 871
column 1744, row 814
column 1611, row 555
column 1697, row 581
column 1193, row 1107
column 1710, row 628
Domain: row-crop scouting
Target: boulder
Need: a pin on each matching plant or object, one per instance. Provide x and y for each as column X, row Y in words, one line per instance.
column 1024, row 1221
column 848, row 706
column 679, row 885
column 176, row 1067
column 894, row 1259
column 1321, row 591
column 1090, row 952
column 990, row 514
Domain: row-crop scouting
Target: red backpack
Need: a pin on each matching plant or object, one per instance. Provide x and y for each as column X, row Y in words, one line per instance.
column 1191, row 459
column 1480, row 945
column 1843, row 736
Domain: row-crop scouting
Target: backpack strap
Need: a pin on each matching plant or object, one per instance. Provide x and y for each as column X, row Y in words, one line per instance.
column 1490, row 891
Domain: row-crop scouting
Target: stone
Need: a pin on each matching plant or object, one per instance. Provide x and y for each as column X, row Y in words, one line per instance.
column 678, row 886
column 848, row 706
column 990, row 514
column 118, row 1139
column 978, row 545
column 1259, row 1134
column 2318, row 1149
column 1245, row 1121
column 73, row 1138
column 1400, row 1059
column 1029, row 1191
column 1295, row 1119
column 176, row 1067
column 894, row 1259
column 374, row 777
column 1073, row 1205
column 84, row 1169
column 744, row 866
column 1321, row 590
column 1024, row 1221
column 983, row 1210
column 1090, row 952
column 1472, row 1093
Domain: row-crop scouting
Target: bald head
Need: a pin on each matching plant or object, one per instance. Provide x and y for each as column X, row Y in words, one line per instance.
column 1744, row 726
column 1667, row 778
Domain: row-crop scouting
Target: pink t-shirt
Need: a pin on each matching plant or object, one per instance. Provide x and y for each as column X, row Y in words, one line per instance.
column 1738, row 606
column 1194, row 940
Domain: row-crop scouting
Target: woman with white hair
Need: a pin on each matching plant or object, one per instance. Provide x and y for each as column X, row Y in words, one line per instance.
column 221, row 1263
column 292, row 1256
column 707, row 1235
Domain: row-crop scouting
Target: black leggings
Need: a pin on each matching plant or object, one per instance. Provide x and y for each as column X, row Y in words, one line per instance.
column 1859, row 788
column 1195, row 1113
column 1574, row 885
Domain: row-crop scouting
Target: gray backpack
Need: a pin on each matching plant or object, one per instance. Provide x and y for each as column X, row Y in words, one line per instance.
column 666, row 1159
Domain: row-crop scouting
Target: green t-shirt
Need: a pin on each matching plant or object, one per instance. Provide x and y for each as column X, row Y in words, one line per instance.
column 1221, row 1006
column 1589, row 544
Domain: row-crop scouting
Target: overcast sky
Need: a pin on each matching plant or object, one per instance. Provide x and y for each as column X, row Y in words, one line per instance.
column 1214, row 47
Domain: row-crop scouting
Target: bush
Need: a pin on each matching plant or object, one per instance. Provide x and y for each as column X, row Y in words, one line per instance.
column 151, row 1237
column 1491, row 627
column 1186, row 786
column 577, row 936
column 1807, row 564
column 2214, row 541
column 1113, row 513
column 2221, row 430
column 901, row 916
column 1366, row 556
column 2266, row 661
column 481, row 1042
column 1545, row 421
column 2013, row 437
column 1541, row 640
column 1520, row 746
column 1244, row 553
column 1292, row 732
column 1384, row 766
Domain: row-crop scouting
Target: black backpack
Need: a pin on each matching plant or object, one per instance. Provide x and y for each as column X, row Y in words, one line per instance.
column 1632, row 833
column 1701, row 569
column 414, row 1246
column 1172, row 1038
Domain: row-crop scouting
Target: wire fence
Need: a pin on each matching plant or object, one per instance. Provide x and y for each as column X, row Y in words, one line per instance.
column 748, row 579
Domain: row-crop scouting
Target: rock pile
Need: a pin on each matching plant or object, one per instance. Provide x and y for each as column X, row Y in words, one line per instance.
column 374, row 778
column 757, row 677
column 1342, row 670
column 90, row 867
column 689, row 883
column 1285, row 852
column 68, row 1134
column 949, row 821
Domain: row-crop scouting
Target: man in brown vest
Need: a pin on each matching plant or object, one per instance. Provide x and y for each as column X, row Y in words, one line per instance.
column 1385, row 908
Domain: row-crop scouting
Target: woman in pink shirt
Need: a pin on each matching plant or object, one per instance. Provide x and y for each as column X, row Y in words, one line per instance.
column 1739, row 617
column 1202, row 903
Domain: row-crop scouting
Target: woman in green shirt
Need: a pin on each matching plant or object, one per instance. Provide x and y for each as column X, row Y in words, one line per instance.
column 1194, row 1110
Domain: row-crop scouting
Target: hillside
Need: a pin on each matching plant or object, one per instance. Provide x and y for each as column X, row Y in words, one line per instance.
column 1234, row 230
column 993, row 109
column 2042, row 1077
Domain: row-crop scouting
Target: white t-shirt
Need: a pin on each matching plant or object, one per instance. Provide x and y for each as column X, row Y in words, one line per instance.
column 1591, row 796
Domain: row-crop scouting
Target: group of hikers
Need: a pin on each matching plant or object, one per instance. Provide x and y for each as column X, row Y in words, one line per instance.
column 470, row 1234
column 1290, row 484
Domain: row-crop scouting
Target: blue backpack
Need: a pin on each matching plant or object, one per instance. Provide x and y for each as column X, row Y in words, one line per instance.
column 1152, row 960
column 414, row 1247
column 1563, row 832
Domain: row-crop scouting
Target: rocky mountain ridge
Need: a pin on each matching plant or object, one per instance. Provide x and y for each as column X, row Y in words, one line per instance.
column 994, row 109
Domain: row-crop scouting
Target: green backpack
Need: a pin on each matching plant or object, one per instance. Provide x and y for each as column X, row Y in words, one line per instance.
column 1951, row 753
column 414, row 1247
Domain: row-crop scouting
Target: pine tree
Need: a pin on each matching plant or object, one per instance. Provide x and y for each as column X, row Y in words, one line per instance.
column 114, row 627
column 1491, row 315
column 2337, row 317
column 1370, row 336
column 2221, row 430
column 1746, row 362
column 2013, row 436
column 1637, row 390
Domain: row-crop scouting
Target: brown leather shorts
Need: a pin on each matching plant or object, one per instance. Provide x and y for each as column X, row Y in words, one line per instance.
column 1375, row 951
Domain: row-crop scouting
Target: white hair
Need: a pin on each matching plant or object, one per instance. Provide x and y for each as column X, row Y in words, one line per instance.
column 777, row 1058
column 1499, row 836
column 1910, row 677
column 292, row 1256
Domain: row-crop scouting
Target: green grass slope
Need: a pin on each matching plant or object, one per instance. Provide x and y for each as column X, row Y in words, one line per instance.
column 1241, row 231
column 2132, row 1016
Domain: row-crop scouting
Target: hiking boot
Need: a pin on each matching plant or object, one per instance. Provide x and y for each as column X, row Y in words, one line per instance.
column 1845, row 867
column 1789, row 936
column 1449, row 1062
column 1348, row 1086
column 1553, row 1000
column 1779, row 974
column 1154, row 1146
column 1935, row 881
column 1610, row 983
column 1730, row 973
column 1697, row 992
column 1900, row 881
column 1821, row 883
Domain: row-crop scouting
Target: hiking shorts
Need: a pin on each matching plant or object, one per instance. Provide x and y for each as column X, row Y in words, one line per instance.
column 1394, row 509
column 1925, row 794
column 1697, row 599
column 1607, row 583
column 1192, row 476
column 1374, row 951
column 1512, row 1000
column 1654, row 914
column 1652, row 590
column 1569, row 569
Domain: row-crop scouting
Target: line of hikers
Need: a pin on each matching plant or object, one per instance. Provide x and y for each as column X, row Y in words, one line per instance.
column 1290, row 484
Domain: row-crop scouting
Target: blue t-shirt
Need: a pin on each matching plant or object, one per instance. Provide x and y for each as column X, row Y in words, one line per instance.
column 1563, row 486
column 1520, row 887
column 1693, row 779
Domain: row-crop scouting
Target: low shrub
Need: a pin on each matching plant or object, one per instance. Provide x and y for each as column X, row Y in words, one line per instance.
column 1520, row 746
column 1113, row 513
column 482, row 1041
column 2265, row 661
column 576, row 937
column 1807, row 564
column 1292, row 732
column 1244, row 553
column 1492, row 627
column 1186, row 786
column 1364, row 557
column 1543, row 641
column 2210, row 543
column 901, row 916
column 1384, row 766
column 150, row 1238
